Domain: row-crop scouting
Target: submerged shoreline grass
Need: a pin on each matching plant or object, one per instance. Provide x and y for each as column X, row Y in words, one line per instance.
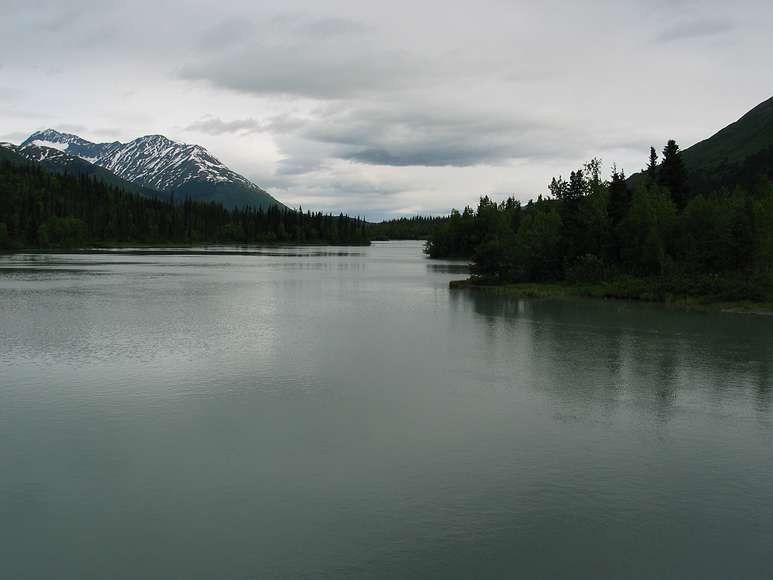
column 632, row 290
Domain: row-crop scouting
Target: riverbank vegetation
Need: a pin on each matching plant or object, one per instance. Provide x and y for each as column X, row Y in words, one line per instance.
column 656, row 237
column 49, row 210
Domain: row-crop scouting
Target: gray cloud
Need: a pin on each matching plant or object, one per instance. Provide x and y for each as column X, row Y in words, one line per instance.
column 321, row 58
column 8, row 94
column 14, row 137
column 224, row 34
column 109, row 133
column 72, row 128
column 698, row 28
column 317, row 28
column 436, row 138
column 389, row 106
column 325, row 72
column 216, row 126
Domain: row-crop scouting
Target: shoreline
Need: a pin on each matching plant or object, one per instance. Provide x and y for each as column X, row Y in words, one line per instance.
column 166, row 246
column 560, row 290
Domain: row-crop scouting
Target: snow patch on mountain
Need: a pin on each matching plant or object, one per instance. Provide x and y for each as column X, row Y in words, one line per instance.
column 35, row 152
column 51, row 144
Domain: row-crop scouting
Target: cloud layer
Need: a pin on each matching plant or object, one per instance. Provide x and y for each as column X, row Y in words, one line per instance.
column 383, row 109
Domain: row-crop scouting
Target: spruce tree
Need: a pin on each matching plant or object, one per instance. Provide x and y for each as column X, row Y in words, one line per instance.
column 673, row 174
column 619, row 198
column 652, row 167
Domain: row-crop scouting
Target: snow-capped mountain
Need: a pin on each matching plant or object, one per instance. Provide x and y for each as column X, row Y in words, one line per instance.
column 161, row 164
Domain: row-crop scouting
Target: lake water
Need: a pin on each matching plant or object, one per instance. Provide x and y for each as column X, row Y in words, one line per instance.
column 338, row 412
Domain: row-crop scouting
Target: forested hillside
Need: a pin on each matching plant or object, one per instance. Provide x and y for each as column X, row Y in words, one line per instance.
column 44, row 209
column 739, row 154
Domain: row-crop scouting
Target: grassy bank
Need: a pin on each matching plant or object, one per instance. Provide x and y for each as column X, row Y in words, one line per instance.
column 717, row 299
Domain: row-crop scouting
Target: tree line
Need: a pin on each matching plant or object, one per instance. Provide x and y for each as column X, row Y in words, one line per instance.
column 406, row 228
column 590, row 229
column 43, row 209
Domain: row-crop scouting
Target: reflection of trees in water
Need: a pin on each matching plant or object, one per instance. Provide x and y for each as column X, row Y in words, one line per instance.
column 665, row 386
column 764, row 380
column 604, row 352
column 458, row 268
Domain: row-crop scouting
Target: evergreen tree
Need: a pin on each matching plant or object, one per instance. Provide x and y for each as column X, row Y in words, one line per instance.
column 558, row 188
column 619, row 198
column 652, row 166
column 673, row 174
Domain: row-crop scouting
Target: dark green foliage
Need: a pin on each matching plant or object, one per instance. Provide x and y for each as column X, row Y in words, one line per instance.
column 652, row 167
column 752, row 173
column 587, row 268
column 538, row 243
column 63, row 232
column 77, row 167
column 673, row 174
column 492, row 259
column 596, row 232
column 456, row 238
column 645, row 232
column 45, row 209
column 619, row 202
column 12, row 157
column 748, row 136
column 460, row 235
column 5, row 239
column 413, row 228
column 231, row 195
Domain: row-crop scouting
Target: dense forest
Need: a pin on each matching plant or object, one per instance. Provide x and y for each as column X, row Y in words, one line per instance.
column 405, row 228
column 661, row 227
column 747, row 172
column 44, row 209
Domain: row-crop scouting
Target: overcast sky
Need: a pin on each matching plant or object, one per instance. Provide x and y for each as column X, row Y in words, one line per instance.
column 386, row 108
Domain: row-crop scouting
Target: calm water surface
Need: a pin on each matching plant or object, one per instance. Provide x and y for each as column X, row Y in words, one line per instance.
column 338, row 412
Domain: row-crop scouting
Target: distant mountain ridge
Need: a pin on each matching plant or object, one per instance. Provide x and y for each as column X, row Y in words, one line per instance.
column 157, row 163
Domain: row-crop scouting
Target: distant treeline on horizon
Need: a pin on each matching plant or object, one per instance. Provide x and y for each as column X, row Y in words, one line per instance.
column 43, row 209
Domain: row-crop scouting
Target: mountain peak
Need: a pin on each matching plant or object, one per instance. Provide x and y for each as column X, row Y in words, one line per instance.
column 159, row 163
column 157, row 138
column 54, row 139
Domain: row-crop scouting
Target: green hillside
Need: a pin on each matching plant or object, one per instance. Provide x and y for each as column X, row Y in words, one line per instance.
column 748, row 136
column 12, row 157
column 741, row 154
column 232, row 195
column 78, row 166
